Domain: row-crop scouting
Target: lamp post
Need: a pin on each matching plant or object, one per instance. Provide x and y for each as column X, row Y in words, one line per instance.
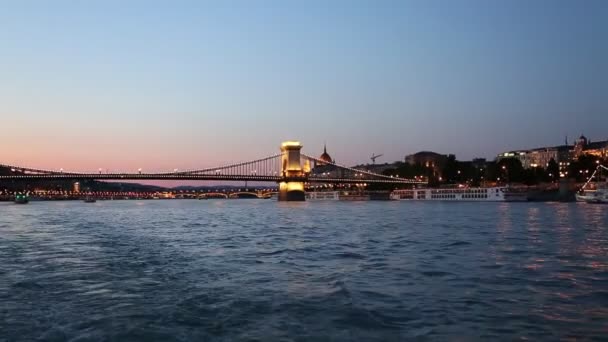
column 506, row 170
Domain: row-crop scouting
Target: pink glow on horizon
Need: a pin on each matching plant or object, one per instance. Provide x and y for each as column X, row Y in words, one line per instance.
column 107, row 156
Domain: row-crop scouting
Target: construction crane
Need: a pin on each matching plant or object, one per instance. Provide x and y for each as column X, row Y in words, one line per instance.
column 374, row 157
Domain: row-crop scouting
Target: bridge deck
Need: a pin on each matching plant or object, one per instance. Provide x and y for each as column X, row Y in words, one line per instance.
column 177, row 176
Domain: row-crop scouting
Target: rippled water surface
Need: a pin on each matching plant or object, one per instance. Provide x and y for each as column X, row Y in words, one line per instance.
column 261, row 270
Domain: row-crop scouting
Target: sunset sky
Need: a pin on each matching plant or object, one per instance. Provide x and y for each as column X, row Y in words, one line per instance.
column 159, row 85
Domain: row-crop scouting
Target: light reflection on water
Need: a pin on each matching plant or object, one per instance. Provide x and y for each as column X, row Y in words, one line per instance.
column 258, row 269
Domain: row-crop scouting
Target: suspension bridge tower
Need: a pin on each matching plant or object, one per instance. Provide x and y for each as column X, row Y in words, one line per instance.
column 293, row 175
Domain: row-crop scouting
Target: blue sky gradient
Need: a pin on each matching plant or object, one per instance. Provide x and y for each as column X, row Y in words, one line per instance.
column 164, row 84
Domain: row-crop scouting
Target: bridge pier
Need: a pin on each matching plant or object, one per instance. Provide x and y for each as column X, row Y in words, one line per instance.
column 291, row 192
column 291, row 186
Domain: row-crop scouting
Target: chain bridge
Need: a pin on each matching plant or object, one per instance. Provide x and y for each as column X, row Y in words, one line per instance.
column 290, row 168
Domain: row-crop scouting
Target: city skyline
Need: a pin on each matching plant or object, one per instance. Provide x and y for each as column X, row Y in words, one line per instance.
column 158, row 86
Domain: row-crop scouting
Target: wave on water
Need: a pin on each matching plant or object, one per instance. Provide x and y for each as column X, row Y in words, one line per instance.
column 253, row 270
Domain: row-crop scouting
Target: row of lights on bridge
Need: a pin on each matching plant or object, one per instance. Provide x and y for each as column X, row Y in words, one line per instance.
column 100, row 170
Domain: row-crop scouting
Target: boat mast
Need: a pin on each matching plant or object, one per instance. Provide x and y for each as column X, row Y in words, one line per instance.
column 599, row 168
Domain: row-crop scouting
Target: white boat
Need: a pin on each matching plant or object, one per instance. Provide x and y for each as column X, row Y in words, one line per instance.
column 597, row 195
column 323, row 195
column 337, row 196
column 593, row 196
column 492, row 194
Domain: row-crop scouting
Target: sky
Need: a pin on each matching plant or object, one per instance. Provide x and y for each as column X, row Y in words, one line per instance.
column 158, row 85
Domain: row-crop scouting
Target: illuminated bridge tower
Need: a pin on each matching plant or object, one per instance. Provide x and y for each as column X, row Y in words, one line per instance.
column 293, row 175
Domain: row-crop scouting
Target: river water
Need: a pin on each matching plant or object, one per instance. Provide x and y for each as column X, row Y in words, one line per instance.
column 259, row 270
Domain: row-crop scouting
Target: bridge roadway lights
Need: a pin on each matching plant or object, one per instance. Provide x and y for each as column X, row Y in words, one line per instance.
column 291, row 186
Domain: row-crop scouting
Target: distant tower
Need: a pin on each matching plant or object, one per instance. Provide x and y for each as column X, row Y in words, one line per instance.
column 325, row 157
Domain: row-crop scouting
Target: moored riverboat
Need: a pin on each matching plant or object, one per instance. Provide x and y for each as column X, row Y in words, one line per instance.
column 348, row 196
column 473, row 194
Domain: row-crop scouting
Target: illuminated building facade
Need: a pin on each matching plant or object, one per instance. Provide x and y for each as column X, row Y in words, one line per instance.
column 584, row 146
column 563, row 154
column 539, row 157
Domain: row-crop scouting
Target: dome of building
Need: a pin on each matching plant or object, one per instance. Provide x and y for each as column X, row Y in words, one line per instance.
column 582, row 140
column 325, row 157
